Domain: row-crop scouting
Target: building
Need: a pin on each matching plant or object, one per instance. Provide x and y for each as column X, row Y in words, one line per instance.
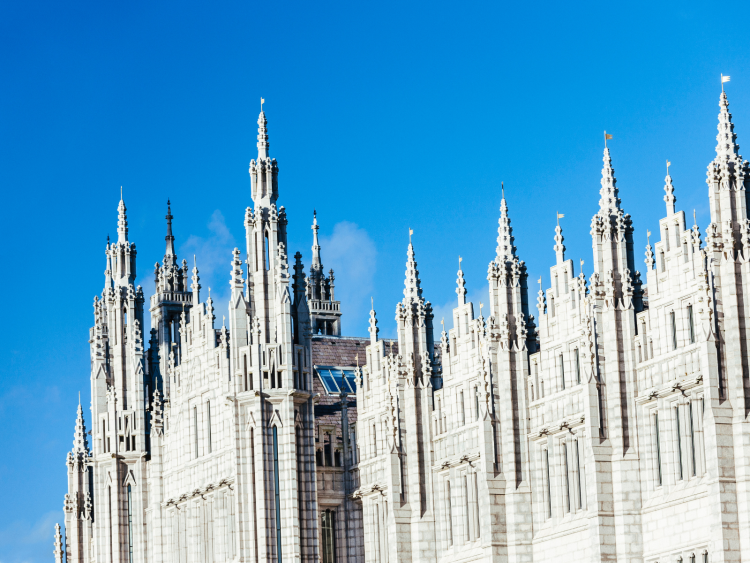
column 611, row 425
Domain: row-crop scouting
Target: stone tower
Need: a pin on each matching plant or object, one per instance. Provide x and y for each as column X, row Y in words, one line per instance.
column 325, row 311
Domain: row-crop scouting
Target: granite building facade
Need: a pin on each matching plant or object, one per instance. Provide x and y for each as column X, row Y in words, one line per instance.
column 607, row 421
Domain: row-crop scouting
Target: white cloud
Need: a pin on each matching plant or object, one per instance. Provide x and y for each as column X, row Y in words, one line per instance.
column 214, row 257
column 22, row 541
column 351, row 253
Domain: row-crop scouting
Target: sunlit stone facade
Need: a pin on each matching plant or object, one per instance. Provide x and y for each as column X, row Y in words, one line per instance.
column 607, row 421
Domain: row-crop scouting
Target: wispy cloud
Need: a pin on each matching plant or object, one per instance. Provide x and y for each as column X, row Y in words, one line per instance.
column 22, row 541
column 351, row 253
column 445, row 311
column 214, row 256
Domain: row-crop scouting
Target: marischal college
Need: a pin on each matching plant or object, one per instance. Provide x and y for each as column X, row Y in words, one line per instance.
column 604, row 419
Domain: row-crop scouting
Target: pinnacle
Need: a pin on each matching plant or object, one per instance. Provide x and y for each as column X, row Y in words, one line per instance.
column 609, row 203
column 726, row 145
column 122, row 220
column 262, row 136
column 412, row 284
column 316, row 263
column 169, row 238
column 80, row 444
column 506, row 252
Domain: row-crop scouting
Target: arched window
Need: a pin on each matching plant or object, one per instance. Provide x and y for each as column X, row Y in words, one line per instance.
column 685, row 251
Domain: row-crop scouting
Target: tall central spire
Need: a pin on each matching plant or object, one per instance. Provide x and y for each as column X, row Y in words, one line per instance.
column 506, row 252
column 169, row 238
column 262, row 136
column 412, row 284
column 122, row 221
column 316, row 263
column 609, row 203
column 725, row 139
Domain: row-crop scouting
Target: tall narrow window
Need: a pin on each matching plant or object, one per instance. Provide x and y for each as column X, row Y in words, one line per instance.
column 705, row 557
column 548, row 486
column 377, row 533
column 552, row 306
column 477, row 522
column 673, row 322
column 476, row 401
column 374, row 440
column 111, row 525
column 691, row 326
column 449, row 512
column 562, row 371
column 567, row 480
column 661, row 260
column 692, row 437
column 461, row 408
column 276, row 492
column 244, row 371
column 268, row 253
column 658, row 448
column 329, row 536
column 578, row 474
column 684, row 251
column 208, row 425
column 679, row 440
column 666, row 238
column 195, row 425
column 557, row 289
column 577, row 358
column 130, row 523
column 466, row 508
column 601, row 410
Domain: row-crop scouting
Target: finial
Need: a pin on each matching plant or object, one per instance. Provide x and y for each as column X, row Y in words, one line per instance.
column 540, row 283
column 480, row 308
column 195, row 265
column 723, row 80
column 261, row 104
column 356, row 359
column 668, row 163
column 79, row 398
column 502, row 188
column 442, row 322
column 459, row 261
column 121, row 186
column 372, row 303
column 581, row 264
column 648, row 237
column 411, row 232
column 694, row 221
column 223, row 321
column 209, row 292
column 559, row 216
column 606, row 137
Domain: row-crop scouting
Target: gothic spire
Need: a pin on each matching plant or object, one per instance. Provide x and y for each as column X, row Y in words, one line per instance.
column 669, row 198
column 412, row 284
column 196, row 286
column 461, row 289
column 59, row 554
column 609, row 203
column 316, row 264
column 122, row 221
column 169, row 238
column 262, row 134
column 559, row 246
column 726, row 146
column 506, row 252
column 80, row 445
column 373, row 330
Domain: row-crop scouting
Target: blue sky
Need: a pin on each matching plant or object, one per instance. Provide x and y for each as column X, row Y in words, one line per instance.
column 383, row 116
